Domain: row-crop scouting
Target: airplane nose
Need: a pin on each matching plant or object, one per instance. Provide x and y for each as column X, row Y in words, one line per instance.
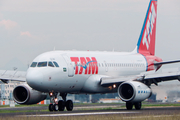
column 34, row 79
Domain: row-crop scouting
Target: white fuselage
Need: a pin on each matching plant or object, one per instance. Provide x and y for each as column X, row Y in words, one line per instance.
column 81, row 71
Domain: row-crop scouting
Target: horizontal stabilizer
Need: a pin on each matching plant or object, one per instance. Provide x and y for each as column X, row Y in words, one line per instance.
column 166, row 62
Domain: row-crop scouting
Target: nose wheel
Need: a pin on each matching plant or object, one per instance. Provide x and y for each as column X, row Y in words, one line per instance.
column 61, row 104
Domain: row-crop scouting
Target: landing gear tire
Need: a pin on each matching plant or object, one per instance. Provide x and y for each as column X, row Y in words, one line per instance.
column 69, row 105
column 50, row 107
column 129, row 105
column 61, row 105
column 55, row 107
column 138, row 105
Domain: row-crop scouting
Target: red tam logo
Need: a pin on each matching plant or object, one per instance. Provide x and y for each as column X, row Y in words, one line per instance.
column 85, row 63
column 149, row 27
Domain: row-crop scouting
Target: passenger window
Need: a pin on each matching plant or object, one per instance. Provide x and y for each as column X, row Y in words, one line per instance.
column 42, row 64
column 55, row 63
column 33, row 64
column 50, row 64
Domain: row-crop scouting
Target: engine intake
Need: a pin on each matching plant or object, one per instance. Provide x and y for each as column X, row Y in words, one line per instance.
column 127, row 91
column 133, row 91
column 23, row 94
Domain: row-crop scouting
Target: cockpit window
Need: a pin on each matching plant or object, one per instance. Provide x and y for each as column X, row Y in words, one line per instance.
column 55, row 63
column 50, row 64
column 42, row 64
column 34, row 64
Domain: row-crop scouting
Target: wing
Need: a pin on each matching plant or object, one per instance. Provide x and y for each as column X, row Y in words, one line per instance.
column 7, row 75
column 109, row 81
column 146, row 78
column 159, row 77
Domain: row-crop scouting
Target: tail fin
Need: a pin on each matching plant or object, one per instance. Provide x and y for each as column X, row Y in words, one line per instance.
column 146, row 42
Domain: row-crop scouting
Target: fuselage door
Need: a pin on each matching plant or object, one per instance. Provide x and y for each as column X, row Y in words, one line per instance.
column 70, row 66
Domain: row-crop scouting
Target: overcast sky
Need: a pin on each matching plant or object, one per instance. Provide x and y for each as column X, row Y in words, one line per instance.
column 31, row 27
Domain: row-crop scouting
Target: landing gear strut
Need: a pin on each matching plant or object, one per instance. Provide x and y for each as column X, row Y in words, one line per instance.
column 137, row 105
column 61, row 104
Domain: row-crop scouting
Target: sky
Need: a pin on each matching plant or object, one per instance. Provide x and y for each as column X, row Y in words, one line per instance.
column 31, row 27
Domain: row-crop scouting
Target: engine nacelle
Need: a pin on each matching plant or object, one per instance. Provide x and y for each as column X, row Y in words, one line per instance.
column 133, row 91
column 24, row 94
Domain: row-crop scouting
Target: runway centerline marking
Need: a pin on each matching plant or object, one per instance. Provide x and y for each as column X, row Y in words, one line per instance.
column 78, row 114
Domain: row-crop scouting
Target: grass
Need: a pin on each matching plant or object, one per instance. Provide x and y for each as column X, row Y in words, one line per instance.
column 145, row 105
column 21, row 111
column 161, row 105
column 34, row 105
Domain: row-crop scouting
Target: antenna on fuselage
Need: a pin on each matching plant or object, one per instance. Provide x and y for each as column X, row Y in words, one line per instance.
column 54, row 48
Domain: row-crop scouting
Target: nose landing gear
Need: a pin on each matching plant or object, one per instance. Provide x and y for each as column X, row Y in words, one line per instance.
column 61, row 104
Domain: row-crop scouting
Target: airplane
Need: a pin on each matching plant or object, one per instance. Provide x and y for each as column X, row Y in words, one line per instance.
column 59, row 73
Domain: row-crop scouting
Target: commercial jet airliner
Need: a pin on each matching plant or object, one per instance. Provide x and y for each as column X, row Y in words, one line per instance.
column 59, row 73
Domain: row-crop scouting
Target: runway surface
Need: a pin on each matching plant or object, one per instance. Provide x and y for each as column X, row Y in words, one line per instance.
column 157, row 111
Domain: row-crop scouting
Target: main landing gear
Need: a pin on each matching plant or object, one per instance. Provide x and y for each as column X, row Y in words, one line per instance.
column 61, row 104
column 137, row 105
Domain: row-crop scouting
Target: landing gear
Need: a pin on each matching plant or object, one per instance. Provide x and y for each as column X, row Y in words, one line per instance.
column 129, row 105
column 51, row 107
column 61, row 104
column 55, row 107
column 69, row 105
column 137, row 105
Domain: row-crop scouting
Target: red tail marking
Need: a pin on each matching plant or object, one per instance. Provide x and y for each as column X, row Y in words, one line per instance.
column 146, row 43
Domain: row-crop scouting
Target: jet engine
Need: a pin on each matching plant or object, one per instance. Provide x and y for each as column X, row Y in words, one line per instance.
column 133, row 91
column 24, row 94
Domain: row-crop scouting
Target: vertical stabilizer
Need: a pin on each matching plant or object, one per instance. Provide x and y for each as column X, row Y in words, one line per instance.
column 146, row 42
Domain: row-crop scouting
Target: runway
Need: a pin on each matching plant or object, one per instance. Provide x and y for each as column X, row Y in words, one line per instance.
column 155, row 111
